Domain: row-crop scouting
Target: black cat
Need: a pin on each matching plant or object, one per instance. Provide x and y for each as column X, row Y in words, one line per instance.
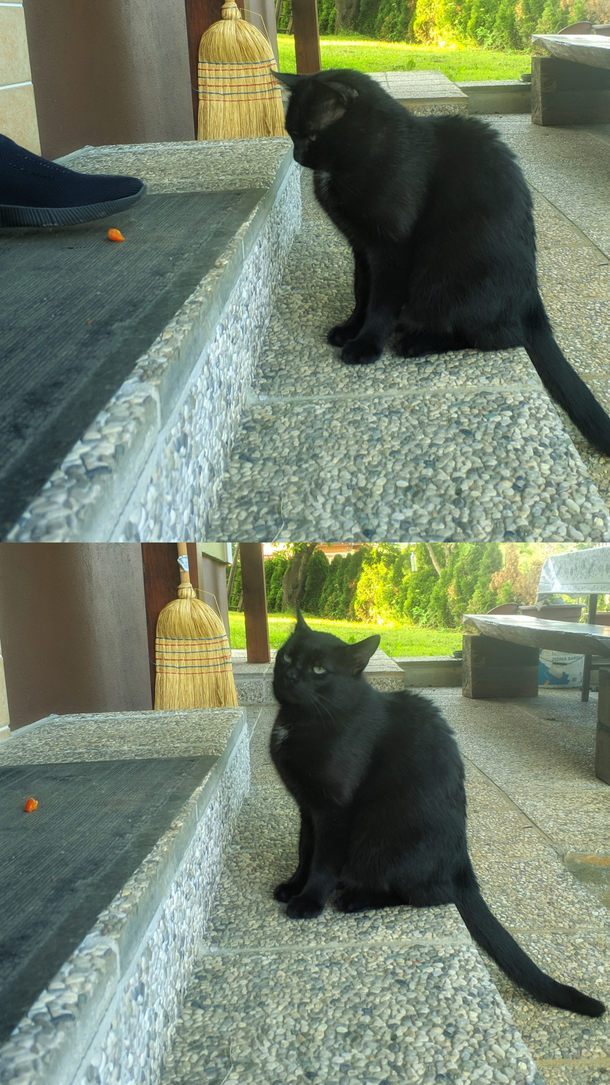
column 439, row 218
column 379, row 782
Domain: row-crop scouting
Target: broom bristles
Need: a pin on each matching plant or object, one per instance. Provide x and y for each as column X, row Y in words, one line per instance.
column 193, row 657
column 238, row 97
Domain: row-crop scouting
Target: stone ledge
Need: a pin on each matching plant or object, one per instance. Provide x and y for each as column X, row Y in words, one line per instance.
column 123, row 984
column 497, row 96
column 430, row 671
column 254, row 681
column 168, row 428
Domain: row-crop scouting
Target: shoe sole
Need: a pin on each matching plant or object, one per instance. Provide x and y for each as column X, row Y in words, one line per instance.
column 64, row 216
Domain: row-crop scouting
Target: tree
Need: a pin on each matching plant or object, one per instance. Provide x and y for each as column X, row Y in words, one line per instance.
column 510, row 583
column 315, row 578
column 275, row 568
column 293, row 581
column 552, row 19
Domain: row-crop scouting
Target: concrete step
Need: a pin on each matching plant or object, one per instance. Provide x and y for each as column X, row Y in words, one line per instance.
column 254, row 681
column 488, row 96
column 167, row 428
column 430, row 671
column 464, row 446
column 107, row 1015
column 425, row 93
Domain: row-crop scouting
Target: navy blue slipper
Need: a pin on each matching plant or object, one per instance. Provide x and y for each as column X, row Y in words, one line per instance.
column 37, row 192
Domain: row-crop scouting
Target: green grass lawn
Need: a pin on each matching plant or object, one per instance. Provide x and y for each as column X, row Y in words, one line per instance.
column 396, row 640
column 458, row 63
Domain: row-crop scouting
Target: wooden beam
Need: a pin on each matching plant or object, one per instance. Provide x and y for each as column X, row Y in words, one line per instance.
column 306, row 36
column 255, row 602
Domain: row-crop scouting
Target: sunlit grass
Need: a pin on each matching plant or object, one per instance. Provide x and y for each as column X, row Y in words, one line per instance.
column 396, row 640
column 458, row 63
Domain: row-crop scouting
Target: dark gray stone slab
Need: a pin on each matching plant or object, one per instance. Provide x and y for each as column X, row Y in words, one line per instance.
column 63, row 863
column 78, row 311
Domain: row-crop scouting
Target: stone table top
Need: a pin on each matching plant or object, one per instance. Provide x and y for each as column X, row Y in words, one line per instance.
column 592, row 49
column 541, row 633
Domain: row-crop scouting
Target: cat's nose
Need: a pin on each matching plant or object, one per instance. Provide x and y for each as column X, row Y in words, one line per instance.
column 300, row 147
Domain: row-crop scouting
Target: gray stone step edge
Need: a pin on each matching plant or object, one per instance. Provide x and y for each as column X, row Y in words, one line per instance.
column 179, row 411
column 430, row 671
column 497, row 96
column 130, row 986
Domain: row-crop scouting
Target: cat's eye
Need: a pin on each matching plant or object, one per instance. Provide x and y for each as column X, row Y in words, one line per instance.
column 319, row 670
column 287, row 658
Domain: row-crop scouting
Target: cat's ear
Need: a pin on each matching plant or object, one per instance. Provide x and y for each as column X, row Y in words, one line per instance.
column 361, row 653
column 345, row 92
column 334, row 105
column 301, row 623
column 289, row 79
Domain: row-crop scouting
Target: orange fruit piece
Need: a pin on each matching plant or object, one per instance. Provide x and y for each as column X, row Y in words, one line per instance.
column 115, row 235
column 31, row 804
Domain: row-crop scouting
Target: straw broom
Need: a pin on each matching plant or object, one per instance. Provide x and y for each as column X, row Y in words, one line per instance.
column 193, row 658
column 238, row 96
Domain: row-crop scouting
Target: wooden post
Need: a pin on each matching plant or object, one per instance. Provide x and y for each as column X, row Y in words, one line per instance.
column 602, row 740
column 497, row 668
column 586, row 671
column 255, row 602
column 306, row 36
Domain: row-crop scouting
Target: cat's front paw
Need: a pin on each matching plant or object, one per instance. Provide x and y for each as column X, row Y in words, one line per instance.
column 305, row 906
column 361, row 351
column 285, row 891
column 341, row 334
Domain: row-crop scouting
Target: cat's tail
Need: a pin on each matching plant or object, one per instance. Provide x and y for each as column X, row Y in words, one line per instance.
column 563, row 383
column 501, row 946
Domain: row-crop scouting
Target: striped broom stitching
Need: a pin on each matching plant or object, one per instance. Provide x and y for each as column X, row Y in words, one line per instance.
column 238, row 101
column 188, row 655
column 213, row 82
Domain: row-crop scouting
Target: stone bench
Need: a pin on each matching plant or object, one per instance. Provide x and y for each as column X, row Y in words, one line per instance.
column 572, row 86
column 503, row 662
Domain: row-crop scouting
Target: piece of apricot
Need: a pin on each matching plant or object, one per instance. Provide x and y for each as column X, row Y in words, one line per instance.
column 115, row 235
column 31, row 804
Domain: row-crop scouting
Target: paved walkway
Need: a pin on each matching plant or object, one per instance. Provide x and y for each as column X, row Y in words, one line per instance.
column 403, row 996
column 465, row 446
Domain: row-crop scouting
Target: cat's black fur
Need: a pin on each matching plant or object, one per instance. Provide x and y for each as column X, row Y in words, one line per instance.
column 379, row 782
column 439, row 218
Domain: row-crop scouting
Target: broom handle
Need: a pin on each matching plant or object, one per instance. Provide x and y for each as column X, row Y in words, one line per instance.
column 184, row 565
